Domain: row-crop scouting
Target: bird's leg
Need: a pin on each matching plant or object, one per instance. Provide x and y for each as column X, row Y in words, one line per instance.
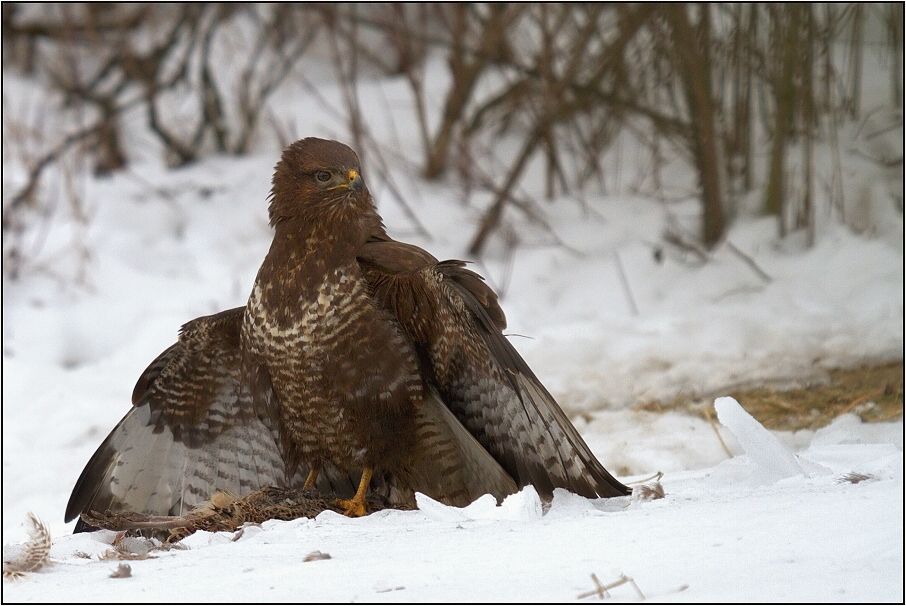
column 357, row 507
column 312, row 475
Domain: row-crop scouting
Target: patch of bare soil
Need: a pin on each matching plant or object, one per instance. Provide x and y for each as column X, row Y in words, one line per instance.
column 874, row 393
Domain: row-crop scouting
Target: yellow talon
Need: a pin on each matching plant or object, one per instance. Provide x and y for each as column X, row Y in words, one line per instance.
column 357, row 506
column 353, row 508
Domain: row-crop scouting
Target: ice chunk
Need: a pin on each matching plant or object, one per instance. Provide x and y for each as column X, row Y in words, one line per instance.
column 524, row 505
column 437, row 511
column 769, row 457
column 569, row 504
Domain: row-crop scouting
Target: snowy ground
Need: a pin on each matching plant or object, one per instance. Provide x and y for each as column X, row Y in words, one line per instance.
column 765, row 527
column 167, row 246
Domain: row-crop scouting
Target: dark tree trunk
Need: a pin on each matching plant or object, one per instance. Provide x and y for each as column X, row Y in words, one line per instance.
column 693, row 58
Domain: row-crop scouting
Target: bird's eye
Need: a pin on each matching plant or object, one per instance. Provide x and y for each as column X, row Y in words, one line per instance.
column 323, row 176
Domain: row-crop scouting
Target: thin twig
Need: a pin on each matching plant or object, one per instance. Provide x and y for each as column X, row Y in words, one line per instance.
column 625, row 282
column 656, row 477
column 749, row 261
column 601, row 590
column 717, row 432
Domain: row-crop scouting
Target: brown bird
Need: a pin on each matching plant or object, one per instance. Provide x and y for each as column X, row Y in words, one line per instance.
column 359, row 362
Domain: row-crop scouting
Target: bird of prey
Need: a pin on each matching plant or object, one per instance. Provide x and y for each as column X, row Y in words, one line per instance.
column 358, row 364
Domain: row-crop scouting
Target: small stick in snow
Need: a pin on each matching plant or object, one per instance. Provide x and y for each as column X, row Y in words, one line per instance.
column 601, row 589
column 717, row 432
column 656, row 477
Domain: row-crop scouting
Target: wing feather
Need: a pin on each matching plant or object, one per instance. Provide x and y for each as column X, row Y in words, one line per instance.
column 450, row 465
column 454, row 320
column 192, row 430
column 554, row 447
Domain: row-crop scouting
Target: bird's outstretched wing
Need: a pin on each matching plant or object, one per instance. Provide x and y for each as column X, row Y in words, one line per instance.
column 453, row 319
column 192, row 430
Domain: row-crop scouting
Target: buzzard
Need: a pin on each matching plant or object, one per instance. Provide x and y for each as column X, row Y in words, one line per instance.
column 358, row 364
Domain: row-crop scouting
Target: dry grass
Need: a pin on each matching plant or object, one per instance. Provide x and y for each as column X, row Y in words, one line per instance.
column 874, row 393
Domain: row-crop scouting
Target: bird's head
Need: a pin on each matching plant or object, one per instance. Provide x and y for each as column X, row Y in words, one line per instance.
column 320, row 180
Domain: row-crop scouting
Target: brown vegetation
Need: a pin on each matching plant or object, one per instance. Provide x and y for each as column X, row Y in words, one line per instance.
column 873, row 393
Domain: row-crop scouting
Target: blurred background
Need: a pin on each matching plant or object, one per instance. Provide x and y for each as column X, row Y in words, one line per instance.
column 762, row 105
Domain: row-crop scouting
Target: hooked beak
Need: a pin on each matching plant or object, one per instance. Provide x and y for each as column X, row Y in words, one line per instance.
column 356, row 182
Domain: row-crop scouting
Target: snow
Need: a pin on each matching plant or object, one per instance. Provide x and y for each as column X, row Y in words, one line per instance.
column 778, row 521
column 714, row 537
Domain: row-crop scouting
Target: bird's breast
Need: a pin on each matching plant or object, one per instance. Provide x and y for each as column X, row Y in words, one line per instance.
column 344, row 376
column 288, row 326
